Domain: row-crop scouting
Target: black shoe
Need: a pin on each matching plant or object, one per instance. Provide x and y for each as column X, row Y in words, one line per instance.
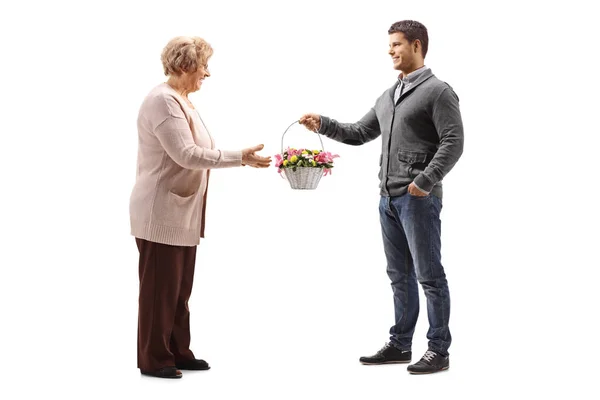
column 195, row 365
column 166, row 372
column 388, row 355
column 430, row 362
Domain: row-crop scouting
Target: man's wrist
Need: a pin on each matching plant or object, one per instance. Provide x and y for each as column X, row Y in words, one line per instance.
column 417, row 186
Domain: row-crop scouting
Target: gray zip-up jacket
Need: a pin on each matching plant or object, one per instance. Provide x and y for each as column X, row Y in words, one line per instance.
column 422, row 135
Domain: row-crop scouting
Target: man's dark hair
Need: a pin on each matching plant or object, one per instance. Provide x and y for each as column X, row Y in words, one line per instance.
column 412, row 30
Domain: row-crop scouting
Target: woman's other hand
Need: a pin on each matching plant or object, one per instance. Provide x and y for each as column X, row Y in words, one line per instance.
column 250, row 158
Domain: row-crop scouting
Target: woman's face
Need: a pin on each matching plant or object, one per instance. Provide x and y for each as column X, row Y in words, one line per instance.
column 193, row 81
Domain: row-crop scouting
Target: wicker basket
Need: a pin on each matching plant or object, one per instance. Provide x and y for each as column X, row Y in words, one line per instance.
column 302, row 178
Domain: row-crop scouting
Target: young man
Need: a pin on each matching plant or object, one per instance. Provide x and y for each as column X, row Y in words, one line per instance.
column 422, row 139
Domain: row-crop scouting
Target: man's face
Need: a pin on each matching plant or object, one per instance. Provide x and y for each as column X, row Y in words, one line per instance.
column 402, row 52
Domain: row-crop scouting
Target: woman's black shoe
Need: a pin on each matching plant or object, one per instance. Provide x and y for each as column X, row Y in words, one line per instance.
column 166, row 372
column 194, row 365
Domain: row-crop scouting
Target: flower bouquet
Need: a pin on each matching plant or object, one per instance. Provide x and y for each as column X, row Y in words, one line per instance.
column 304, row 168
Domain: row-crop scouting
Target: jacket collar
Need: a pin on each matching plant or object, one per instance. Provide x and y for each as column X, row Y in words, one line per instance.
column 413, row 76
column 420, row 78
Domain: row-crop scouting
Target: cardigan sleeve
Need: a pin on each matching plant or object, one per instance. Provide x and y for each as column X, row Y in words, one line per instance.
column 173, row 131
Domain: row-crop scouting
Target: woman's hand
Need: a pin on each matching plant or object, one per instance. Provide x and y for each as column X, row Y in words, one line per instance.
column 249, row 157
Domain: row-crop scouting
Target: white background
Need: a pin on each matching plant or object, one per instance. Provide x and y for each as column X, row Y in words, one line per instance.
column 290, row 287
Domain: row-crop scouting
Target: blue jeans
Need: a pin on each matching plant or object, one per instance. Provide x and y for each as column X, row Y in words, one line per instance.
column 411, row 230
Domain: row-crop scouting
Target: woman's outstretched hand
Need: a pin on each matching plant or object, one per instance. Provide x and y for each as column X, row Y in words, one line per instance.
column 250, row 158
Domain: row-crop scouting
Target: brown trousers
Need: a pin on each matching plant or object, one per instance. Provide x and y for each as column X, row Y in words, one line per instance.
column 166, row 278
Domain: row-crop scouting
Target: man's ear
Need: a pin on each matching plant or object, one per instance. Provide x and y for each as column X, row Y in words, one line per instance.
column 416, row 45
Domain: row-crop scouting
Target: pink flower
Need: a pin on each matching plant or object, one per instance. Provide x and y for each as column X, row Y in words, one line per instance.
column 278, row 162
column 292, row 152
column 325, row 157
column 321, row 159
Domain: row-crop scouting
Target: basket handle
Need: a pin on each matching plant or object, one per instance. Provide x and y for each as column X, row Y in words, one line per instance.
column 282, row 136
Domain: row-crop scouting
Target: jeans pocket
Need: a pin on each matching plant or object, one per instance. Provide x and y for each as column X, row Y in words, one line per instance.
column 412, row 196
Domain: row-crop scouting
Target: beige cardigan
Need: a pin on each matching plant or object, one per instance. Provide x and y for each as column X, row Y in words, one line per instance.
column 175, row 155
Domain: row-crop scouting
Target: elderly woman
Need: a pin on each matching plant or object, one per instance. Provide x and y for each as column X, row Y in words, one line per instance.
column 168, row 203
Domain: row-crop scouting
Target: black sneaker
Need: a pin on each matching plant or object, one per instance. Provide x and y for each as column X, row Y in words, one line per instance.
column 388, row 355
column 430, row 362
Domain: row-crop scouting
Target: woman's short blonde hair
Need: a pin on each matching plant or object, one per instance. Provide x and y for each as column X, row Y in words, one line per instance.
column 185, row 54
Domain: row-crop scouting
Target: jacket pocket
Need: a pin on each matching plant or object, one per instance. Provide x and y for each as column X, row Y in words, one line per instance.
column 182, row 199
column 412, row 163
column 412, row 157
column 380, row 174
column 182, row 212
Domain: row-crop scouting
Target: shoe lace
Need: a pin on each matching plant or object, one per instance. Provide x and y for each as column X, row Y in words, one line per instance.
column 384, row 348
column 429, row 356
